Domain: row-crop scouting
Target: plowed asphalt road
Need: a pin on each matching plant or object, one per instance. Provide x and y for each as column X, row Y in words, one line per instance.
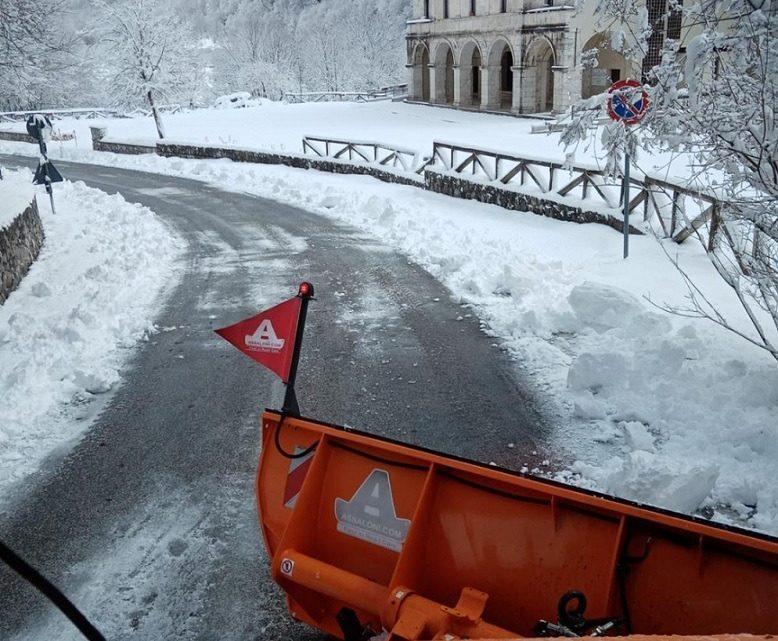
column 149, row 522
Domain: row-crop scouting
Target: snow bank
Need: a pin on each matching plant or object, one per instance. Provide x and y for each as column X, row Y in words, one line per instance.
column 65, row 332
column 664, row 410
column 16, row 194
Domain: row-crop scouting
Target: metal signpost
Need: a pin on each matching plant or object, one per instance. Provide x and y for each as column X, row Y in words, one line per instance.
column 628, row 103
column 39, row 127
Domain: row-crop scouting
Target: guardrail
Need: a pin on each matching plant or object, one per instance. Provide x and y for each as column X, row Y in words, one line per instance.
column 89, row 113
column 385, row 93
column 165, row 109
column 406, row 160
column 59, row 114
column 681, row 212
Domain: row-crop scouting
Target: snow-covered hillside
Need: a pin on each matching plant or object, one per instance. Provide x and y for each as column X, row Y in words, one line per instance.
column 66, row 331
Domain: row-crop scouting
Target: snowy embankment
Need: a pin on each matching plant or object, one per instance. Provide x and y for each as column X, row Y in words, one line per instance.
column 67, row 330
column 653, row 407
column 16, row 193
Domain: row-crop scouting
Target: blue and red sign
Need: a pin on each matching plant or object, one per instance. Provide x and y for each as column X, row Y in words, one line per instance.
column 628, row 102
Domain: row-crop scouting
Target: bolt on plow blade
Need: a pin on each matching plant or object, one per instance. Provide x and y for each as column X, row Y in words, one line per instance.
column 367, row 535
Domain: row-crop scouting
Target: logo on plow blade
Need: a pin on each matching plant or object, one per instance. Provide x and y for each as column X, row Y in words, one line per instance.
column 370, row 514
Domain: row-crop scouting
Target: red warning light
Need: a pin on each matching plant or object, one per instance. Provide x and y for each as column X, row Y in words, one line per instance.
column 306, row 290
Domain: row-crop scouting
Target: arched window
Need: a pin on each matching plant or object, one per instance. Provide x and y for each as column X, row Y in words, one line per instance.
column 445, row 8
column 472, row 7
column 426, row 8
column 503, row 6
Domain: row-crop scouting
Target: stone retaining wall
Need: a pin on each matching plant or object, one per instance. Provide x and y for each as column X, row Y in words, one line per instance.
column 123, row 147
column 17, row 136
column 20, row 244
column 117, row 146
column 509, row 199
column 269, row 158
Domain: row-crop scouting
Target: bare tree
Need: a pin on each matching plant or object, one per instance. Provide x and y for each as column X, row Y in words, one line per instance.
column 714, row 96
column 149, row 50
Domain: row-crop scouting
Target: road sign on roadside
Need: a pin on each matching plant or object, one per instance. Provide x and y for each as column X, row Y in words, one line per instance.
column 39, row 127
column 628, row 103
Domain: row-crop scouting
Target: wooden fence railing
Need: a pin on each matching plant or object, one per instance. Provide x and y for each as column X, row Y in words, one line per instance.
column 385, row 93
column 88, row 113
column 58, row 114
column 370, row 152
column 679, row 211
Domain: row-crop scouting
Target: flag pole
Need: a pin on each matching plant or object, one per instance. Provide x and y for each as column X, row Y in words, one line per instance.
column 290, row 407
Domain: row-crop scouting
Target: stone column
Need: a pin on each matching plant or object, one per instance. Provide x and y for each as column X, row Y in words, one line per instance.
column 567, row 73
column 490, row 87
column 457, row 86
column 561, row 93
column 435, row 79
column 98, row 133
column 516, row 89
column 527, row 90
column 466, row 86
column 413, row 75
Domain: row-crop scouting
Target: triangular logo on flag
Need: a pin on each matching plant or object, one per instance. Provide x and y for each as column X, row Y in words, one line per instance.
column 269, row 337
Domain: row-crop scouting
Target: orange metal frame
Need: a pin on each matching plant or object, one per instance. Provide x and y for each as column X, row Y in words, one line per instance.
column 489, row 552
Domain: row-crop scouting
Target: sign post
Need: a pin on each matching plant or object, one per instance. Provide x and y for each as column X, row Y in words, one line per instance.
column 628, row 104
column 625, row 189
column 39, row 127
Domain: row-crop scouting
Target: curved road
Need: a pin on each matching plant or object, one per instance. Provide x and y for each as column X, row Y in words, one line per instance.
column 149, row 522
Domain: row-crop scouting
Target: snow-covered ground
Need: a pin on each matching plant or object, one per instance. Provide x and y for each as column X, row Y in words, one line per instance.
column 67, row 330
column 649, row 406
column 280, row 127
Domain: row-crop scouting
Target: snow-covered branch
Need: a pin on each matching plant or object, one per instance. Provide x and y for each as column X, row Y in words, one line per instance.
column 714, row 100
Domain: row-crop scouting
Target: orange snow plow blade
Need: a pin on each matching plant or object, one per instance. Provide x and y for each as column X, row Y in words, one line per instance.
column 365, row 530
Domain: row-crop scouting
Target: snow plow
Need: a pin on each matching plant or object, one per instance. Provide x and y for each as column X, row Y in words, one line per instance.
column 373, row 538
column 367, row 534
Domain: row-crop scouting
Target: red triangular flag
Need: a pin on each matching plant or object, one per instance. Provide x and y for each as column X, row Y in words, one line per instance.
column 268, row 337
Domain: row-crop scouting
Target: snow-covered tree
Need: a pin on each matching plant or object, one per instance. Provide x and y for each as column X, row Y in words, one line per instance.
column 714, row 96
column 32, row 50
column 259, row 48
column 269, row 47
column 353, row 44
column 149, row 51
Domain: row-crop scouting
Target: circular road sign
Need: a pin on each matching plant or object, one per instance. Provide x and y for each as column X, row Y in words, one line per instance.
column 39, row 126
column 628, row 102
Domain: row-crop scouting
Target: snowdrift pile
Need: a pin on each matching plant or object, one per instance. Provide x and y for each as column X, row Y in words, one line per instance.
column 67, row 330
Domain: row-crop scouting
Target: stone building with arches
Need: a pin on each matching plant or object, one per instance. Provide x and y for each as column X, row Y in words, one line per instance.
column 515, row 56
